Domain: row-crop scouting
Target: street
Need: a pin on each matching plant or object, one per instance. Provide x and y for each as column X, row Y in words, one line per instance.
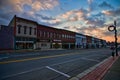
column 49, row 65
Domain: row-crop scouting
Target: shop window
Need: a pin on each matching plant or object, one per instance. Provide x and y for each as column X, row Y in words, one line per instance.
column 43, row 45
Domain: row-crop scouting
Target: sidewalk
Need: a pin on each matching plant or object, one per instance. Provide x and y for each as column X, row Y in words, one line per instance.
column 98, row 72
column 114, row 72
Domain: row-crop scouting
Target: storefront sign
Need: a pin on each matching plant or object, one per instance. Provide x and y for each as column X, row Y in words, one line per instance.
column 55, row 40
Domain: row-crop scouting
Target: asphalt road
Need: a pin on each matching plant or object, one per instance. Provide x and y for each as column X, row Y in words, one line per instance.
column 49, row 65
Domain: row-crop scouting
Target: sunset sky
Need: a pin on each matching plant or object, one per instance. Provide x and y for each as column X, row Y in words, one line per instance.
column 90, row 17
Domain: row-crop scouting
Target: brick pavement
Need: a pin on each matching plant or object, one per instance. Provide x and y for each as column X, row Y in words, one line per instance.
column 100, row 71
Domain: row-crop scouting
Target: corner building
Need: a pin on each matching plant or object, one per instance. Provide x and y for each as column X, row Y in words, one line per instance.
column 24, row 33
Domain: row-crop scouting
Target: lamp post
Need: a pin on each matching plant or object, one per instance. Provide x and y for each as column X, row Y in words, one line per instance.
column 113, row 28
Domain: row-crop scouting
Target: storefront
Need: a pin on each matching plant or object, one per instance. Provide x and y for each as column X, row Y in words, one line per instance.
column 43, row 44
column 68, row 45
column 56, row 44
column 24, row 43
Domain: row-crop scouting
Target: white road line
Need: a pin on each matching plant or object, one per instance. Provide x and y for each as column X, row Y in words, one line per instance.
column 13, row 75
column 91, row 59
column 58, row 72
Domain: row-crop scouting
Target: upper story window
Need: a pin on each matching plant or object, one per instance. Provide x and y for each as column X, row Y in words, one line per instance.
column 54, row 35
column 62, row 35
column 19, row 28
column 39, row 33
column 59, row 36
column 51, row 35
column 30, row 30
column 44, row 33
column 25, row 29
column 48, row 34
column 34, row 31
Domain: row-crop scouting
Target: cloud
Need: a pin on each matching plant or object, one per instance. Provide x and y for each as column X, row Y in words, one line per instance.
column 71, row 28
column 35, row 4
column 43, row 17
column 51, row 21
column 92, row 31
column 74, row 15
column 95, row 22
column 44, row 4
column 81, row 15
column 92, row 5
column 104, row 5
column 101, row 32
column 24, row 8
column 55, row 22
column 70, row 16
column 112, row 12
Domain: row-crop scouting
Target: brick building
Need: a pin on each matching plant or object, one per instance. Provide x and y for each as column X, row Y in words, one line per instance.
column 88, row 41
column 48, row 37
column 27, row 34
column 24, row 33
column 68, row 39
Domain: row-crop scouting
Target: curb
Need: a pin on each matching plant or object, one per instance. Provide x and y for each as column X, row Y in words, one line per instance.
column 96, row 72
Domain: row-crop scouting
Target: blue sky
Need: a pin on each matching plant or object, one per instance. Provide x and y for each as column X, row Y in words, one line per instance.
column 90, row 17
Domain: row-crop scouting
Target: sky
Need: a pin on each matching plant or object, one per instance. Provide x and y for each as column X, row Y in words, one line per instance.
column 89, row 17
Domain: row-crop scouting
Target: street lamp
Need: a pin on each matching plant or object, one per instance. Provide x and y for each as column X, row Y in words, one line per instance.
column 113, row 28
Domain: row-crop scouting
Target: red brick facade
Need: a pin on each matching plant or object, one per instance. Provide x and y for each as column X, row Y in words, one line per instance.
column 52, row 36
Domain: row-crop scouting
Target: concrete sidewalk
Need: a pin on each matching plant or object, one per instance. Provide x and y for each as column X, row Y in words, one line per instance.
column 114, row 72
column 98, row 72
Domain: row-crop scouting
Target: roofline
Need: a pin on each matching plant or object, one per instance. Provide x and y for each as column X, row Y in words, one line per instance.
column 26, row 19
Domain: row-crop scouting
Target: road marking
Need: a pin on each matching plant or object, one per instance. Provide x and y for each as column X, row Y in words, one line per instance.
column 36, row 58
column 66, row 75
column 90, row 59
column 13, row 75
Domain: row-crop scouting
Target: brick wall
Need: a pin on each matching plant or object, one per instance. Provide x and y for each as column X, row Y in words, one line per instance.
column 6, row 38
